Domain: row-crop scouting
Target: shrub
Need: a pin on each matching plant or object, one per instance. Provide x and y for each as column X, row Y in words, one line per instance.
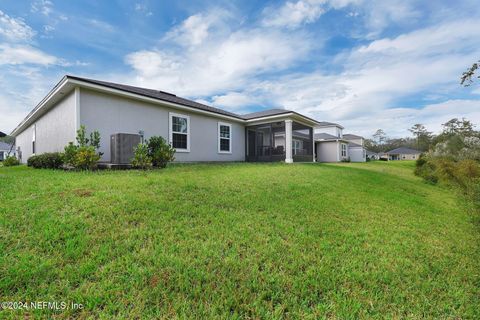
column 426, row 169
column 160, row 151
column 53, row 160
column 141, row 159
column 83, row 156
column 468, row 169
column 86, row 158
column 69, row 154
column 11, row 161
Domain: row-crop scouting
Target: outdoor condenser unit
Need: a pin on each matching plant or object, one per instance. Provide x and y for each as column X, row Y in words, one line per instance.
column 121, row 147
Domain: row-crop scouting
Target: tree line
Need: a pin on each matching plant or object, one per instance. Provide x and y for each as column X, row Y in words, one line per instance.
column 422, row 139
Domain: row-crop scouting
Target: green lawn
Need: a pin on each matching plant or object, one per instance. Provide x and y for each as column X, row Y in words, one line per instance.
column 240, row 240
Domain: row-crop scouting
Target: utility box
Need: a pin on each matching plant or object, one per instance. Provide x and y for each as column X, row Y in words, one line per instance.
column 122, row 146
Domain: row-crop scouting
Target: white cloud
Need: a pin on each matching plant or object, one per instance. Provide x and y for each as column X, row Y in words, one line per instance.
column 396, row 121
column 294, row 14
column 380, row 14
column 143, row 8
column 193, row 31
column 241, row 69
column 376, row 14
column 45, row 7
column 24, row 54
column 98, row 24
column 196, row 29
column 15, row 29
column 235, row 101
column 221, row 61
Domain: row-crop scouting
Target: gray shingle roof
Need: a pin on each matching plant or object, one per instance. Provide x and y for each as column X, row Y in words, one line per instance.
column 326, row 123
column 5, row 146
column 353, row 144
column 324, row 136
column 351, row 136
column 170, row 97
column 403, row 150
column 264, row 113
column 156, row 94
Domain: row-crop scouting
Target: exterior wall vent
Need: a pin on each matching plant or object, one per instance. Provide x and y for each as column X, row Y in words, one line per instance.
column 122, row 146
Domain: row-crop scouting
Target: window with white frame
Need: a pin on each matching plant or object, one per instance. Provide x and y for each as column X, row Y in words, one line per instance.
column 180, row 132
column 344, row 150
column 224, row 137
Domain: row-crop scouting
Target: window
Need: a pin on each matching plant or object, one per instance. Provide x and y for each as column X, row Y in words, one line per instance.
column 297, row 147
column 224, row 137
column 180, row 132
column 344, row 150
column 34, row 139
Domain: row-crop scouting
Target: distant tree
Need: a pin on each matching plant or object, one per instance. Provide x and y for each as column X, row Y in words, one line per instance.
column 8, row 139
column 380, row 137
column 371, row 145
column 466, row 78
column 462, row 127
column 423, row 137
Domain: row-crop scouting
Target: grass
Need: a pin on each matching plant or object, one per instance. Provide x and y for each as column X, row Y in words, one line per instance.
column 238, row 241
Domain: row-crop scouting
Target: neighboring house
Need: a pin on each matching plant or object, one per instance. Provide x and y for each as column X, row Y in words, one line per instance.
column 330, row 148
column 198, row 132
column 403, row 153
column 354, row 138
column 332, row 145
column 372, row 155
column 5, row 150
column 356, row 149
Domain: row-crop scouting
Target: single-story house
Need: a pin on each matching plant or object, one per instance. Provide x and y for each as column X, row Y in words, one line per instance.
column 372, row 155
column 402, row 153
column 330, row 148
column 198, row 132
column 5, row 150
column 333, row 146
column 356, row 148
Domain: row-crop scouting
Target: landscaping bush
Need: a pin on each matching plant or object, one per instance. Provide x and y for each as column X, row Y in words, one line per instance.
column 141, row 159
column 86, row 158
column 83, row 156
column 11, row 161
column 69, row 154
column 53, row 160
column 160, row 151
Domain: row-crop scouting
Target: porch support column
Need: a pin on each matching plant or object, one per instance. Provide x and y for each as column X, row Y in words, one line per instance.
column 314, row 151
column 288, row 141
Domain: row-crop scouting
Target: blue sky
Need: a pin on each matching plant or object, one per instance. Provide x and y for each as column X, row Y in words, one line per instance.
column 366, row 64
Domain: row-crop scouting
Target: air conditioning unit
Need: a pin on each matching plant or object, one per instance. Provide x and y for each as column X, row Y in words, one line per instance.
column 122, row 146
